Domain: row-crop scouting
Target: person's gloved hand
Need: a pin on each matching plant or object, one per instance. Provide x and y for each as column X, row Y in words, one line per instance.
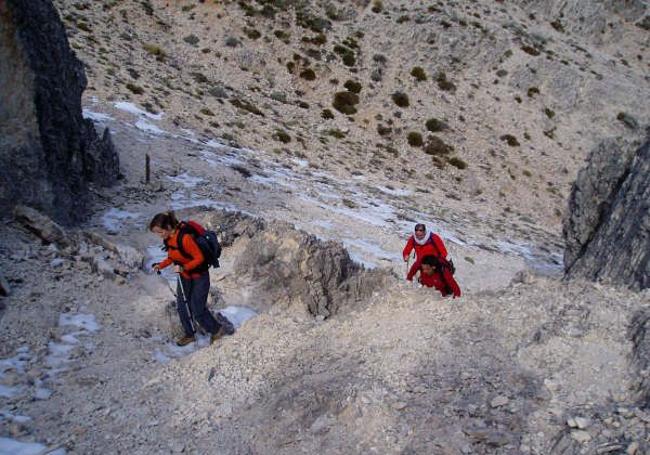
column 156, row 267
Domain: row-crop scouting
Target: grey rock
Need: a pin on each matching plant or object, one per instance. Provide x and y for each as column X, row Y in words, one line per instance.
column 41, row 225
column 640, row 336
column 127, row 255
column 45, row 143
column 607, row 229
column 5, row 290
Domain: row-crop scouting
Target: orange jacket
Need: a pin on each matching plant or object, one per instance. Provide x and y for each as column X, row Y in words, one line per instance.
column 174, row 255
column 433, row 247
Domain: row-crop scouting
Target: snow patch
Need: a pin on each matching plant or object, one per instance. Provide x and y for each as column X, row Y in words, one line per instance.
column 135, row 110
column 147, row 127
column 186, row 180
column 82, row 321
column 10, row 446
column 96, row 116
column 113, row 219
column 237, row 315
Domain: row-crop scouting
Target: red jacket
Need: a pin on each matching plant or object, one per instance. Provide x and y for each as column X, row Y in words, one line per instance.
column 433, row 247
column 174, row 256
column 443, row 282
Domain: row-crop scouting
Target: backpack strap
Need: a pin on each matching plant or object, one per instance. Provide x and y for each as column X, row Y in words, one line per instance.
column 182, row 230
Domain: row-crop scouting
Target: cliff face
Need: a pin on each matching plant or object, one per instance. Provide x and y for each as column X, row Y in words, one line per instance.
column 607, row 229
column 48, row 151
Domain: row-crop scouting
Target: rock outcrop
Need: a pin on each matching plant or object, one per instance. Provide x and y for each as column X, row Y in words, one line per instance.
column 607, row 230
column 48, row 151
column 298, row 268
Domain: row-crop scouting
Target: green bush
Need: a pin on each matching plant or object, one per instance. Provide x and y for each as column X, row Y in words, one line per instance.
column 327, row 114
column 191, row 39
column 444, row 83
column 282, row 36
column 377, row 6
column 530, row 50
column 414, row 139
column 418, row 73
column 282, row 136
column 345, row 102
column 352, row 86
column 401, row 99
column 434, row 125
column 437, row 147
column 206, row 111
column 337, row 133
column 252, row 33
column 457, row 162
column 549, row 112
column 510, row 140
column 384, row 130
column 308, row 74
column 532, row 91
column 246, row 106
column 135, row 88
column 156, row 51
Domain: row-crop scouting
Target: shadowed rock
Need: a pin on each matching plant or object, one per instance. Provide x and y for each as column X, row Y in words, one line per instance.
column 48, row 151
column 607, row 230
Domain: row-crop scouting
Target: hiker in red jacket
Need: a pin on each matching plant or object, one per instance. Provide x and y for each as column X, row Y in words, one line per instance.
column 193, row 280
column 425, row 243
column 435, row 273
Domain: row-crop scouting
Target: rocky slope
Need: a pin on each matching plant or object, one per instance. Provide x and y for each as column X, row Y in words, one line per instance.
column 608, row 226
column 49, row 153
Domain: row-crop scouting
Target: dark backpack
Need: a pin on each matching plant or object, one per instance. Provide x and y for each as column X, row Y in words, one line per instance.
column 206, row 240
column 441, row 262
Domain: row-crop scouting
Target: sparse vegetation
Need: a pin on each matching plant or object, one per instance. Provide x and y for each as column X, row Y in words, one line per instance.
column 510, row 140
column 327, row 114
column 191, row 39
column 345, row 102
column 549, row 112
column 444, row 83
column 530, row 50
column 246, row 106
column 418, row 73
column 282, row 136
column 457, row 162
column 336, row 133
column 252, row 33
column 377, row 6
column 434, row 125
column 437, row 147
column 414, row 139
column 135, row 88
column 384, row 130
column 156, row 51
column 352, row 86
column 308, row 74
column 401, row 99
column 206, row 111
column 532, row 91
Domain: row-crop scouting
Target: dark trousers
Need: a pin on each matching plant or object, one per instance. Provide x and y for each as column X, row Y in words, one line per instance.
column 196, row 291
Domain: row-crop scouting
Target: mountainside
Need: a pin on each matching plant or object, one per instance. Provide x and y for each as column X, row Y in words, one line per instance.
column 312, row 136
column 500, row 103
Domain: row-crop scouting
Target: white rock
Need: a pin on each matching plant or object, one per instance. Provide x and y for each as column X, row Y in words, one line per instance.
column 499, row 401
column 581, row 436
column 632, row 449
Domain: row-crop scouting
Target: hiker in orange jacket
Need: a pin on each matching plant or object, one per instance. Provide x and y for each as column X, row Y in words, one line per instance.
column 194, row 280
column 435, row 272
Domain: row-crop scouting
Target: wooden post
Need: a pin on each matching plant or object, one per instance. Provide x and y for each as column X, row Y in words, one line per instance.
column 147, row 168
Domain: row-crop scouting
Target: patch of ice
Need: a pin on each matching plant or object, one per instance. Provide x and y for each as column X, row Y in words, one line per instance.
column 9, row 391
column 160, row 357
column 82, row 321
column 135, row 110
column 10, row 446
column 301, row 163
column 113, row 219
column 395, row 191
column 237, row 315
column 59, row 354
column 71, row 338
column 16, row 362
column 42, row 394
column 171, row 351
column 147, row 127
column 186, row 180
column 6, row 415
column 96, row 116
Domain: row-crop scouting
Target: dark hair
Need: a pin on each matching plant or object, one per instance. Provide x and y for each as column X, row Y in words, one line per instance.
column 420, row 226
column 165, row 220
column 430, row 260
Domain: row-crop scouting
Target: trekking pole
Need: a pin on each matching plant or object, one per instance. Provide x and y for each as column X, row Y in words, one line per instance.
column 187, row 307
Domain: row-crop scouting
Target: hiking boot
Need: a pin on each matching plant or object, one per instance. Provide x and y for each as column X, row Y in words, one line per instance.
column 218, row 335
column 184, row 341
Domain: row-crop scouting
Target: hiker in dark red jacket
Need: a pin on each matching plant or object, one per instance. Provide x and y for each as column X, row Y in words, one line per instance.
column 425, row 243
column 193, row 281
column 435, row 273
